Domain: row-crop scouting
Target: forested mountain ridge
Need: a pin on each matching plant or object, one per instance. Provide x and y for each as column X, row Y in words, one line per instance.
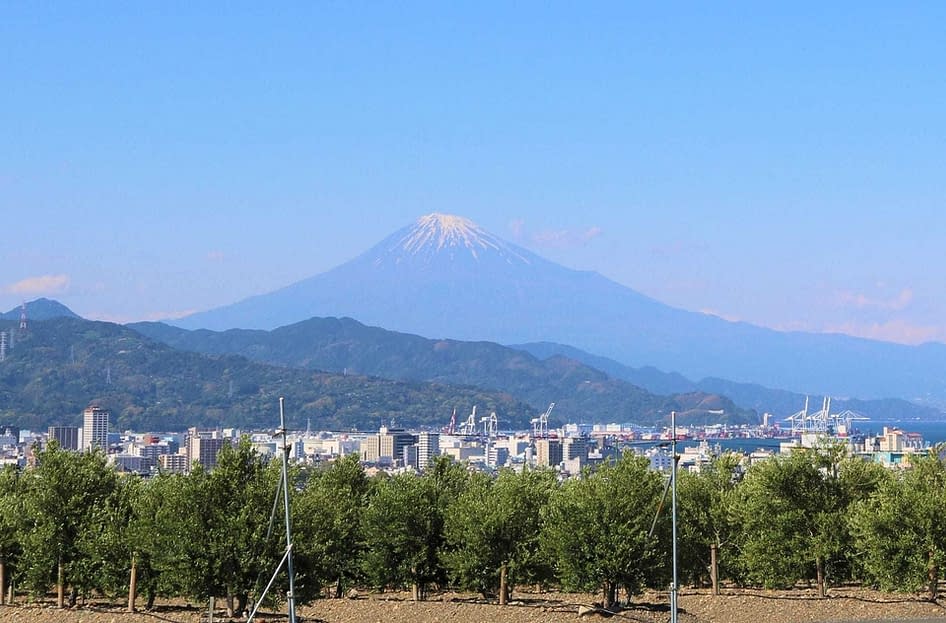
column 39, row 309
column 59, row 366
column 580, row 392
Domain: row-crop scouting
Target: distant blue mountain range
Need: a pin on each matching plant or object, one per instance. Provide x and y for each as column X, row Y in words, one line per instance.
column 445, row 277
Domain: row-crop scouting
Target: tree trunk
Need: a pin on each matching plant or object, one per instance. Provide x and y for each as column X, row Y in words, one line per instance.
column 133, row 584
column 242, row 600
column 415, row 591
column 338, row 587
column 150, row 605
column 819, row 569
column 3, row 579
column 60, row 588
column 503, row 588
column 714, row 569
column 229, row 603
column 74, row 596
column 610, row 595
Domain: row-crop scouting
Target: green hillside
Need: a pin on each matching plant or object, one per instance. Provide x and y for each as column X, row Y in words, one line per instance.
column 62, row 365
column 581, row 393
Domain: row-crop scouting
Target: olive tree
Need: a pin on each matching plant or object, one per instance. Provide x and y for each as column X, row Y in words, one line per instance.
column 493, row 532
column 327, row 531
column 706, row 517
column 792, row 511
column 598, row 529
column 900, row 535
column 403, row 526
column 61, row 496
column 104, row 544
column 12, row 525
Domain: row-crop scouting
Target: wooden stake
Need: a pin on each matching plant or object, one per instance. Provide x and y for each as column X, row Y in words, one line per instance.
column 133, row 584
column 714, row 568
column 60, row 588
column 502, row 585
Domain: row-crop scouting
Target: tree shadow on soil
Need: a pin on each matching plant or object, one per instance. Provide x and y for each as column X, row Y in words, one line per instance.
column 835, row 596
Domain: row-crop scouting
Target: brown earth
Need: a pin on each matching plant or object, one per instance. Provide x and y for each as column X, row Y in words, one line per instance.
column 696, row 606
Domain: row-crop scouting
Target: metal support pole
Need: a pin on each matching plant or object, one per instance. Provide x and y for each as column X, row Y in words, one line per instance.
column 714, row 568
column 287, row 556
column 291, row 595
column 268, row 586
column 673, row 513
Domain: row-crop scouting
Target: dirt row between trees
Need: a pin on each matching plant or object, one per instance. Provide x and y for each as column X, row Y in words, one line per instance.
column 696, row 606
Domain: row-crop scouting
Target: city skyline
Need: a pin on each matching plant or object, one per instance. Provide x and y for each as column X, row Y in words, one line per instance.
column 780, row 167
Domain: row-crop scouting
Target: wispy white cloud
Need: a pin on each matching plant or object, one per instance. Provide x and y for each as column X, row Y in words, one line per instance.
column 41, row 284
column 718, row 314
column 793, row 325
column 565, row 238
column 897, row 330
column 515, row 228
column 859, row 300
column 552, row 238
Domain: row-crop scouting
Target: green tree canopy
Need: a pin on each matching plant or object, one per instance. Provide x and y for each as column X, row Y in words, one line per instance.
column 403, row 526
column 900, row 530
column 327, row 530
column 706, row 517
column 61, row 496
column 598, row 529
column 495, row 526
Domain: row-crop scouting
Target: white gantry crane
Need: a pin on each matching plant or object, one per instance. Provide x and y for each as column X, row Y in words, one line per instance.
column 490, row 425
column 469, row 426
column 540, row 425
column 822, row 421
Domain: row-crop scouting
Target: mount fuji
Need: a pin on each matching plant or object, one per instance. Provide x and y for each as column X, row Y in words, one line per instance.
column 443, row 276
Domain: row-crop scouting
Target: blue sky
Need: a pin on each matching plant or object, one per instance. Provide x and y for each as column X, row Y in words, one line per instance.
column 782, row 166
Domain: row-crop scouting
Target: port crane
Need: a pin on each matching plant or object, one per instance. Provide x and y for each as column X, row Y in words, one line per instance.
column 822, row 421
column 468, row 427
column 490, row 425
column 452, row 426
column 540, row 425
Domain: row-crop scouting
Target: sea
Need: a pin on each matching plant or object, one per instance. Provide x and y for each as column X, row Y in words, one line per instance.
column 933, row 432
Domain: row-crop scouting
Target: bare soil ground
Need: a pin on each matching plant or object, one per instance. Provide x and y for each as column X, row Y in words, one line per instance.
column 696, row 606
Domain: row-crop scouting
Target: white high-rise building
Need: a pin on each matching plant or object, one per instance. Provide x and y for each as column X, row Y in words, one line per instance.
column 94, row 428
column 428, row 446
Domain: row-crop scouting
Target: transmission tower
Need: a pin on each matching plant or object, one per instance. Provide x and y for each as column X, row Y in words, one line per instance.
column 23, row 316
column 3, row 345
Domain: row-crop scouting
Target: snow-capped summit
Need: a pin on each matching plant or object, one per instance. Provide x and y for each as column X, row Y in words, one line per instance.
column 442, row 230
column 444, row 236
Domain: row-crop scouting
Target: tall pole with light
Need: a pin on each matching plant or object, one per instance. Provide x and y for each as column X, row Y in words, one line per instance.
column 673, row 514
column 287, row 556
